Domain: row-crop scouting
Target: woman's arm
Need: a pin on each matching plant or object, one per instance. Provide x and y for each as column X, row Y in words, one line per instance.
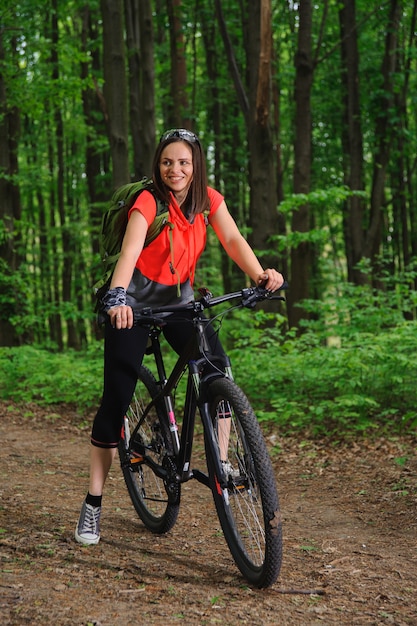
column 132, row 246
column 240, row 251
column 133, row 241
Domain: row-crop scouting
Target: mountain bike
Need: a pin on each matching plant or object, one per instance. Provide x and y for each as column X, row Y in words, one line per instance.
column 155, row 453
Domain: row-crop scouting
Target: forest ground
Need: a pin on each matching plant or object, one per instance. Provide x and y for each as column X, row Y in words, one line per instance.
column 350, row 538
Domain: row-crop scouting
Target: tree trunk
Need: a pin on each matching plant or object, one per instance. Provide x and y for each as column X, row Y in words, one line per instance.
column 139, row 36
column 10, row 206
column 301, row 254
column 58, row 167
column 97, row 163
column 403, row 227
column 256, row 107
column 263, row 204
column 177, row 112
column 410, row 188
column 214, row 111
column 115, row 88
column 383, row 134
column 352, row 141
column 43, row 290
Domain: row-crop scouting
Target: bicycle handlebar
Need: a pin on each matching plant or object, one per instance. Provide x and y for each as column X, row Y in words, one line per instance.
column 249, row 296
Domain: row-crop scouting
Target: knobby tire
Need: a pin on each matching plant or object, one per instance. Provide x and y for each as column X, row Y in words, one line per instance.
column 248, row 509
column 147, row 491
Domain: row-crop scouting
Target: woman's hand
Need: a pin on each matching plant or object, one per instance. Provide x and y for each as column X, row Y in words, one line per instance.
column 121, row 316
column 270, row 279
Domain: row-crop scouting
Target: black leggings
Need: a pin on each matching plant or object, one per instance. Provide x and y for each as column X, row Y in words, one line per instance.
column 123, row 355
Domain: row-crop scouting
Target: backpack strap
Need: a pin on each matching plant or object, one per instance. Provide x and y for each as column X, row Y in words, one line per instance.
column 206, row 214
column 172, row 261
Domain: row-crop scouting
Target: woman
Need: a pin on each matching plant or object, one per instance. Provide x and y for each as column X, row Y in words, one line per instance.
column 151, row 276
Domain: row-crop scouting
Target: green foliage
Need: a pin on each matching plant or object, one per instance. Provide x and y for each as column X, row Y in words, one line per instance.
column 354, row 365
column 320, row 198
column 14, row 293
column 353, row 370
column 359, row 386
column 54, row 81
column 31, row 374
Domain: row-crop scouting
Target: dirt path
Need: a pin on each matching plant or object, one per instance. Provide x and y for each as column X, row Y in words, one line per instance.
column 350, row 551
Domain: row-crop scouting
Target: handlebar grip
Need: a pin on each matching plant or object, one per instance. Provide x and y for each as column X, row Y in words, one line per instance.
column 284, row 285
column 147, row 320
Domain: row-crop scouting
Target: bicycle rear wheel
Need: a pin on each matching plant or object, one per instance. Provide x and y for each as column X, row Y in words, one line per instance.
column 148, row 492
column 248, row 508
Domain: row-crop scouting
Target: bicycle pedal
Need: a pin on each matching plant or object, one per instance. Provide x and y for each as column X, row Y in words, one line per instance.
column 136, row 458
column 237, row 486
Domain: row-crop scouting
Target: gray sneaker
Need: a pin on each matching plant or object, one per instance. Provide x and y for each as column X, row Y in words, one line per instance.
column 229, row 470
column 88, row 527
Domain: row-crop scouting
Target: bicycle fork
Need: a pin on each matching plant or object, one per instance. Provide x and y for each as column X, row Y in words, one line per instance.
column 215, row 442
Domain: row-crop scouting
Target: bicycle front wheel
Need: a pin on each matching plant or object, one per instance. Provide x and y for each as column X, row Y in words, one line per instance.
column 248, row 508
column 149, row 492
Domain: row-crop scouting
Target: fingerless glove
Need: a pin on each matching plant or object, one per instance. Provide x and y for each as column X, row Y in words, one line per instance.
column 114, row 297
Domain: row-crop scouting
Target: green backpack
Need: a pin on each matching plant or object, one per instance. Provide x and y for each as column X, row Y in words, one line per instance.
column 114, row 224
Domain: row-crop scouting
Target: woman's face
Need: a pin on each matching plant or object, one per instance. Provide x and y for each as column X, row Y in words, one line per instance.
column 176, row 168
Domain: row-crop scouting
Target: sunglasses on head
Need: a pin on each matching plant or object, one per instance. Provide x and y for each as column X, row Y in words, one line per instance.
column 181, row 133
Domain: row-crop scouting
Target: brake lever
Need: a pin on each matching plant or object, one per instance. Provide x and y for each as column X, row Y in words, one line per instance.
column 250, row 297
column 206, row 296
column 253, row 295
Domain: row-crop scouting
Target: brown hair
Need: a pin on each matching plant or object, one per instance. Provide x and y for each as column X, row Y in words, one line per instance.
column 197, row 200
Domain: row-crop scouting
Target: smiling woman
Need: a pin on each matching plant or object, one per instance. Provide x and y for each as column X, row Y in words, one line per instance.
column 159, row 274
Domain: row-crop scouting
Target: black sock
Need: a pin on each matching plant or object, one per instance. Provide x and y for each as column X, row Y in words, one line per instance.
column 93, row 500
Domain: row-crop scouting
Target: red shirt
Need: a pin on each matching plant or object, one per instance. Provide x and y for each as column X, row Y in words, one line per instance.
column 189, row 240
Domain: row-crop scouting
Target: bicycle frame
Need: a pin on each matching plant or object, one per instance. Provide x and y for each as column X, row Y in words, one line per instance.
column 203, row 367
column 197, row 357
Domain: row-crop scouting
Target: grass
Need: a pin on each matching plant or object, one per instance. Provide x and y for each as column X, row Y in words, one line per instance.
column 360, row 382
